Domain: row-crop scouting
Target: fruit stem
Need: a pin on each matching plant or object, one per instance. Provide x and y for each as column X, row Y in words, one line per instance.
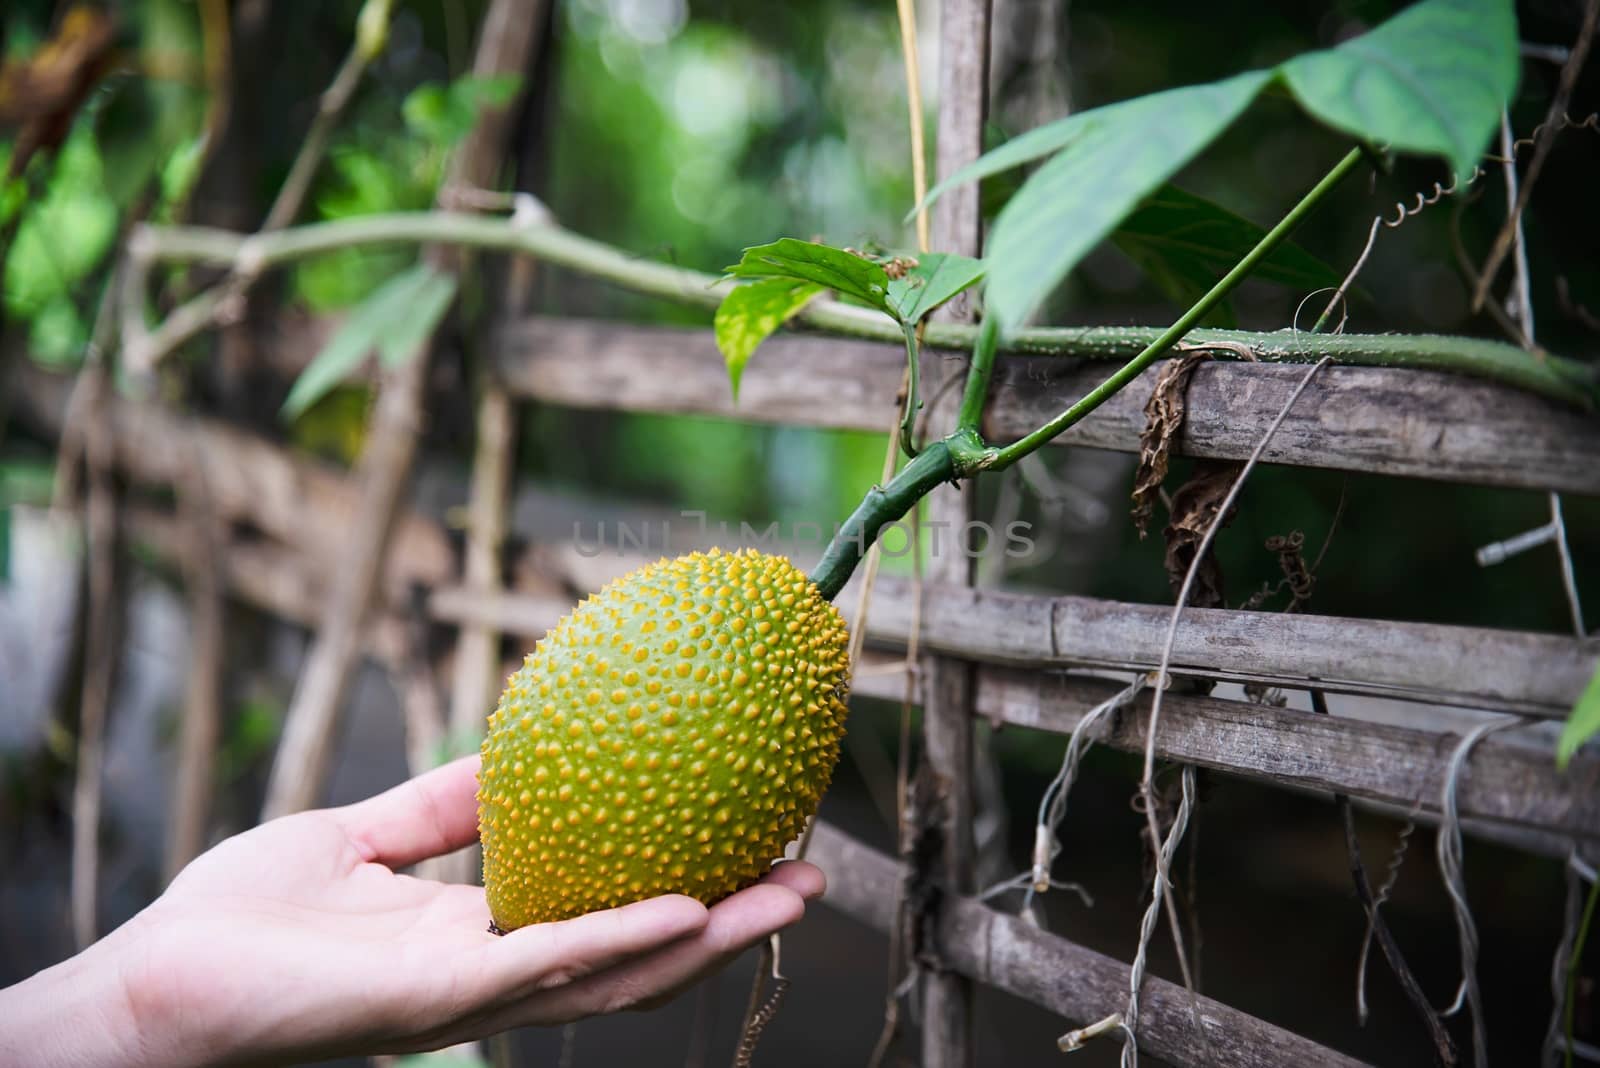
column 881, row 506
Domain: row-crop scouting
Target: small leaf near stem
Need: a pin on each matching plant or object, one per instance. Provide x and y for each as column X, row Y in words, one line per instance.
column 749, row 314
column 806, row 261
column 934, row 278
column 394, row 319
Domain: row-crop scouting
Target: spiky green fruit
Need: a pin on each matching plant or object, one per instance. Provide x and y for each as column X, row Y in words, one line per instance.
column 670, row 735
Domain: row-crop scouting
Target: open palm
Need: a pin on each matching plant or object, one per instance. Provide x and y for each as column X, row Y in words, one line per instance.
column 298, row 939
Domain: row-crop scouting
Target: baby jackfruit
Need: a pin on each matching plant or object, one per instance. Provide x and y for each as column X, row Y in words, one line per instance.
column 670, row 735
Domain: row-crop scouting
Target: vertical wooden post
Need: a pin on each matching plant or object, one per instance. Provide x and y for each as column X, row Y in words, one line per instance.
column 947, row 1034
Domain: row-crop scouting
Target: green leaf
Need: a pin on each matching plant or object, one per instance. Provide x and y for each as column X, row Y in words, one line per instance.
column 252, row 730
column 413, row 323
column 444, row 114
column 394, row 319
column 750, row 313
column 806, row 261
column 936, row 278
column 1184, row 243
column 1433, row 79
column 495, row 90
column 1583, row 724
column 1024, row 148
column 1117, row 155
column 138, row 129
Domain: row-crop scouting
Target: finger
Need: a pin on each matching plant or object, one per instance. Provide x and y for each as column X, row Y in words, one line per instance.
column 805, row 879
column 736, row 924
column 432, row 814
column 547, row 955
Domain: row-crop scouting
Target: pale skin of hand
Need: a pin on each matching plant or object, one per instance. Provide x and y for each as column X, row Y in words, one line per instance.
column 297, row 940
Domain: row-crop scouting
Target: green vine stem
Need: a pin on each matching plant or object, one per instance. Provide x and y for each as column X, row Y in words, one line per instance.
column 944, row 460
column 976, row 392
column 1274, row 237
column 1560, row 379
column 908, row 418
column 964, row 453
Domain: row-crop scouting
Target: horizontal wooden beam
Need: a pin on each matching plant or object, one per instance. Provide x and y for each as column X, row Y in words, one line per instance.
column 1507, row 791
column 300, row 503
column 1512, row 671
column 1081, row 985
column 310, row 506
column 1419, row 424
column 1504, row 786
column 303, row 503
column 1503, row 781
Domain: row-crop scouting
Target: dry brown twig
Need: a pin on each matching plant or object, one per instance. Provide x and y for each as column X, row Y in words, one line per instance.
column 102, row 639
column 1162, row 880
column 505, row 45
column 202, row 714
column 1507, row 236
column 224, row 303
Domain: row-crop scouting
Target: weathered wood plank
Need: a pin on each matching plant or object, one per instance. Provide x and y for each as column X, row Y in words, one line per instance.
column 1418, row 424
column 1506, row 789
column 1503, row 781
column 306, row 504
column 1511, row 671
column 1083, row 986
column 948, row 1036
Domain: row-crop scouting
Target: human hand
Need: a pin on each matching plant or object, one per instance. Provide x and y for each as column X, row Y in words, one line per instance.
column 297, row 940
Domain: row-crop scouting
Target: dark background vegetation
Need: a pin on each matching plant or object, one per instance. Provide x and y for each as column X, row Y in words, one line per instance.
column 687, row 131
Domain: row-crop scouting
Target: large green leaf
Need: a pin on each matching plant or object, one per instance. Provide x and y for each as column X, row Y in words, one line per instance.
column 1119, row 154
column 394, row 319
column 750, row 313
column 806, row 261
column 1434, row 80
column 1583, row 724
column 936, row 278
column 1431, row 80
column 1184, row 243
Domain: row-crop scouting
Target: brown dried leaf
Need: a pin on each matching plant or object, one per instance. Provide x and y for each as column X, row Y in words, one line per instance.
column 1194, row 507
column 42, row 93
column 1163, row 414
